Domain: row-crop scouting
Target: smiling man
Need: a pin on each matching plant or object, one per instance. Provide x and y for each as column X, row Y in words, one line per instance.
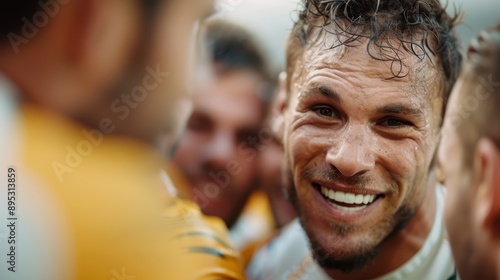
column 365, row 92
column 470, row 158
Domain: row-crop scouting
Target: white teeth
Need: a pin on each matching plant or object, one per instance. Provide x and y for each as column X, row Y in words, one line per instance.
column 331, row 194
column 339, row 196
column 348, row 209
column 350, row 198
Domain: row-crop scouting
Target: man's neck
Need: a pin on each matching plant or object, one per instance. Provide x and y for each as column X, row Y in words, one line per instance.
column 399, row 248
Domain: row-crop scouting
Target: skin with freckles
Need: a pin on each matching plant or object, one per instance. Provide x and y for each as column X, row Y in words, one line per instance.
column 351, row 127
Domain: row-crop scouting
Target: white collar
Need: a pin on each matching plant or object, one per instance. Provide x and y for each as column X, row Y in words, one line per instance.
column 8, row 111
column 169, row 185
column 7, row 97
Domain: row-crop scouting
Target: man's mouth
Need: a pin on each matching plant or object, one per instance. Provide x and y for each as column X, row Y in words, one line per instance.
column 346, row 201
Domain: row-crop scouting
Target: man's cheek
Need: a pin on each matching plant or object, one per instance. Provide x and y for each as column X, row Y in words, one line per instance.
column 300, row 145
column 450, row 205
column 243, row 174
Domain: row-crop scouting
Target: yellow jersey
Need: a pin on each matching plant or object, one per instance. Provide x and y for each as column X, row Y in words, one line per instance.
column 99, row 202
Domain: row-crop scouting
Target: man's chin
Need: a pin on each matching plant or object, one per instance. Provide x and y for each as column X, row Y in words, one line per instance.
column 328, row 257
column 356, row 258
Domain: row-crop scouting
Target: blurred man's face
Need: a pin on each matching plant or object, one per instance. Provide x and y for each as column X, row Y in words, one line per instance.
column 153, row 96
column 458, row 203
column 173, row 51
column 216, row 151
column 358, row 148
column 270, row 180
column 468, row 239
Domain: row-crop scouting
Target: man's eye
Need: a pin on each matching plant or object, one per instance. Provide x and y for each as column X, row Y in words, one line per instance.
column 395, row 123
column 198, row 124
column 325, row 112
column 247, row 136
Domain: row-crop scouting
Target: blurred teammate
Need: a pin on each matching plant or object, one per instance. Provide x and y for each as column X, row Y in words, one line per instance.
column 270, row 163
column 270, row 172
column 218, row 151
column 91, row 86
column 365, row 93
column 470, row 158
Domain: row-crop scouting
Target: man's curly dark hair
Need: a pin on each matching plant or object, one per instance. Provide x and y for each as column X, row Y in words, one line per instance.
column 418, row 27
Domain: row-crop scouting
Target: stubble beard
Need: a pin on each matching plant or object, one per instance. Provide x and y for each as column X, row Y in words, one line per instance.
column 361, row 254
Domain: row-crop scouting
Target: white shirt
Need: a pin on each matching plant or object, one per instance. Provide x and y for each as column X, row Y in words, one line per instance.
column 288, row 256
column 31, row 249
column 7, row 118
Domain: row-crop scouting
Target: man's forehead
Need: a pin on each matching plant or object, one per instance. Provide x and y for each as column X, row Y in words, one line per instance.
column 369, row 54
column 419, row 75
column 200, row 8
column 454, row 100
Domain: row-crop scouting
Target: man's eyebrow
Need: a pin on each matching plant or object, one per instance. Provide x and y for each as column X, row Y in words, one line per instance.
column 325, row 91
column 399, row 109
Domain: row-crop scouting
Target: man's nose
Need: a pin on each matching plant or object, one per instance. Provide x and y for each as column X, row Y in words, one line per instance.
column 221, row 149
column 352, row 153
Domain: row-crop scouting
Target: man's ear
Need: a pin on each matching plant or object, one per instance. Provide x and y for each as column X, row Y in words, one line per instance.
column 82, row 25
column 487, row 176
column 104, row 35
column 279, row 108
